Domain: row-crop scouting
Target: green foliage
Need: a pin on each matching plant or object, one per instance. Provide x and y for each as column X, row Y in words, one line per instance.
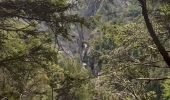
column 166, row 88
column 129, row 54
column 33, row 68
column 29, row 61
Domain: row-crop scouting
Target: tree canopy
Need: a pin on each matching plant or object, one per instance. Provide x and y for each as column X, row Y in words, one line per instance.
column 84, row 50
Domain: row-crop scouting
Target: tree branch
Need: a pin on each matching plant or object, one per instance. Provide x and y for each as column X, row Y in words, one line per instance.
column 158, row 44
column 153, row 79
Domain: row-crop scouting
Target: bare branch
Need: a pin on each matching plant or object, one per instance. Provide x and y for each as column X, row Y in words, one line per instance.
column 153, row 79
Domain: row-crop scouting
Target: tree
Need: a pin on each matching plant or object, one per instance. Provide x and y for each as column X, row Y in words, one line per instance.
column 161, row 49
column 27, row 48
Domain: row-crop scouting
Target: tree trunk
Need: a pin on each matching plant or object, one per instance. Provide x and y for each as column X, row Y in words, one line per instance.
column 158, row 44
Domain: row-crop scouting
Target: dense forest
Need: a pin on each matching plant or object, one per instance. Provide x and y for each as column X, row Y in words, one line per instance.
column 84, row 49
